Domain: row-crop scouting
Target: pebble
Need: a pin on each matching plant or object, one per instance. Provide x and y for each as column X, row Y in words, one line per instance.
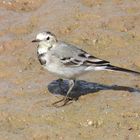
column 90, row 122
column 7, row 2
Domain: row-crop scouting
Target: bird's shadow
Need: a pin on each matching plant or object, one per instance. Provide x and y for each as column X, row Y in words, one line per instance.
column 83, row 88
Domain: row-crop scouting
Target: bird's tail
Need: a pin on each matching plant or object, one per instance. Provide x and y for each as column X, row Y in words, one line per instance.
column 115, row 68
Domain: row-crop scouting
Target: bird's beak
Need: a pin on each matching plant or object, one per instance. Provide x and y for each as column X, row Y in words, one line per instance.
column 36, row 40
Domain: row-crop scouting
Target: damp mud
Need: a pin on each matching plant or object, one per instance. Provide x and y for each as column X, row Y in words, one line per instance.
column 107, row 105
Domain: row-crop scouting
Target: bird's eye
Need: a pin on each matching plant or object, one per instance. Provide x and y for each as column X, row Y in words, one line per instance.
column 48, row 38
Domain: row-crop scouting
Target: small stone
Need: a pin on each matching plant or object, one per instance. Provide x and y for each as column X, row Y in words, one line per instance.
column 90, row 122
column 3, row 2
column 130, row 128
column 9, row 3
column 20, row 71
column 1, row 48
column 95, row 41
column 29, row 87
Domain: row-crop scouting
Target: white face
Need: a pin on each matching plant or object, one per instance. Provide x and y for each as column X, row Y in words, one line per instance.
column 48, row 37
column 42, row 36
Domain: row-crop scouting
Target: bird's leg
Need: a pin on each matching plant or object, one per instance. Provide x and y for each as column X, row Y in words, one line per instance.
column 66, row 99
column 71, row 85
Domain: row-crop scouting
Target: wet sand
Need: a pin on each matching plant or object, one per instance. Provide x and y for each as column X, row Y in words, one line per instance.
column 108, row 105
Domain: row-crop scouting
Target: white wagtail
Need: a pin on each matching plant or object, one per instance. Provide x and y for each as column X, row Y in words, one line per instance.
column 67, row 61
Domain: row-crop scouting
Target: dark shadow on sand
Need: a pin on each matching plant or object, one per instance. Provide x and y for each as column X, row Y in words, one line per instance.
column 83, row 87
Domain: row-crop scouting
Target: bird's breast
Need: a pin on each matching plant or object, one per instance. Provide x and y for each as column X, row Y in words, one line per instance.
column 42, row 59
column 42, row 55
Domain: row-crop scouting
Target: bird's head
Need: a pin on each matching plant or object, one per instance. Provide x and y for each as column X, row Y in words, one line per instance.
column 47, row 37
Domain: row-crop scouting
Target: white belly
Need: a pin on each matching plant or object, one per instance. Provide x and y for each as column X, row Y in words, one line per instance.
column 64, row 72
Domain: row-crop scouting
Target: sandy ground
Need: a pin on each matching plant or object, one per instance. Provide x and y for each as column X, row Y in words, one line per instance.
column 108, row 105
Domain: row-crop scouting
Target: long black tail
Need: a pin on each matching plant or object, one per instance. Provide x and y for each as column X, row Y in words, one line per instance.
column 115, row 68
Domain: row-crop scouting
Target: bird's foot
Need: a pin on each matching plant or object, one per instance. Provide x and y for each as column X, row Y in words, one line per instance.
column 64, row 101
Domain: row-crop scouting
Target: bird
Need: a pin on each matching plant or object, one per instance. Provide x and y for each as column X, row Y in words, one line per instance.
column 68, row 61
